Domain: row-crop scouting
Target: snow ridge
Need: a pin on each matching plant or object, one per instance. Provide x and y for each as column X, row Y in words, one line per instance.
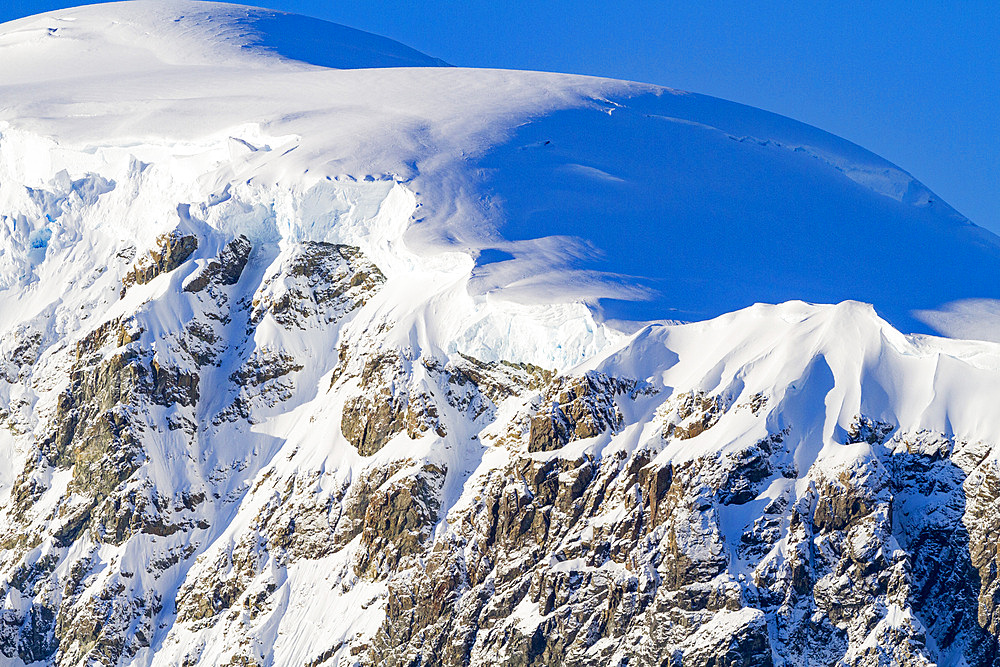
column 302, row 365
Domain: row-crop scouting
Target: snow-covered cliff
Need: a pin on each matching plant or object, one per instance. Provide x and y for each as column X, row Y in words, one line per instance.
column 388, row 364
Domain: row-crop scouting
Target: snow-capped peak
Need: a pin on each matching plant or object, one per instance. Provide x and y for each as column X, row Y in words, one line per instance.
column 307, row 357
column 150, row 35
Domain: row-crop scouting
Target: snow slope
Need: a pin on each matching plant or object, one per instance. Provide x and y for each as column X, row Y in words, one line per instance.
column 564, row 177
column 148, row 36
column 308, row 357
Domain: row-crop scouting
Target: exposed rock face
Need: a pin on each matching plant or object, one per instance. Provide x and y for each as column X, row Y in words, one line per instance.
column 316, row 283
column 694, row 413
column 171, row 251
column 226, row 269
column 118, row 392
column 285, row 453
column 578, row 408
column 279, row 385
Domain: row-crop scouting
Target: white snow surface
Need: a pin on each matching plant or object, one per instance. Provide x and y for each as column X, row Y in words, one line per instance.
column 515, row 215
column 534, row 189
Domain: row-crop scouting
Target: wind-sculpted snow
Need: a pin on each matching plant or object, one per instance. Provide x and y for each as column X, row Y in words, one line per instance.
column 187, row 33
column 710, row 206
column 326, row 44
column 302, row 366
column 551, row 181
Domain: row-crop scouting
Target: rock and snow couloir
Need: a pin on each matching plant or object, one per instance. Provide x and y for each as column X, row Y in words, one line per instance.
column 317, row 351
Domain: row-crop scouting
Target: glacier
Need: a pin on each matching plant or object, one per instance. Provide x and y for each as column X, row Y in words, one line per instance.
column 317, row 350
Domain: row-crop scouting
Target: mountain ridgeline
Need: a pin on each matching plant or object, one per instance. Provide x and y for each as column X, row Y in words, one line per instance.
column 320, row 352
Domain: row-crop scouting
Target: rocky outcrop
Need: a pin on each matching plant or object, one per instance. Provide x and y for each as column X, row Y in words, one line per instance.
column 170, row 252
column 398, row 520
column 576, row 408
column 284, row 451
column 384, row 406
column 693, row 413
column 316, row 283
column 127, row 391
column 226, row 269
column 390, row 399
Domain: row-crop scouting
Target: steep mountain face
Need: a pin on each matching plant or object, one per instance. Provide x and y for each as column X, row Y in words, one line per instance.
column 301, row 367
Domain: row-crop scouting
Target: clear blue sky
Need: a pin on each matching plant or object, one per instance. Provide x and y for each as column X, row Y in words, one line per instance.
column 917, row 82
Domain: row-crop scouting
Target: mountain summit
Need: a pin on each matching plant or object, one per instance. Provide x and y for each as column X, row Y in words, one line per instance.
column 315, row 350
column 549, row 182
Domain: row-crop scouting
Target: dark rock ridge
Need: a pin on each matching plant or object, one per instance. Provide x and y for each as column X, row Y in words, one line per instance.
column 170, row 252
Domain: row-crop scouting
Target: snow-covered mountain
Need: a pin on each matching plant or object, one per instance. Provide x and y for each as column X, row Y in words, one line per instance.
column 317, row 351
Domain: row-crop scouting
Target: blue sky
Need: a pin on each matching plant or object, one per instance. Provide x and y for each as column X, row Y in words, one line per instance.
column 917, row 82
